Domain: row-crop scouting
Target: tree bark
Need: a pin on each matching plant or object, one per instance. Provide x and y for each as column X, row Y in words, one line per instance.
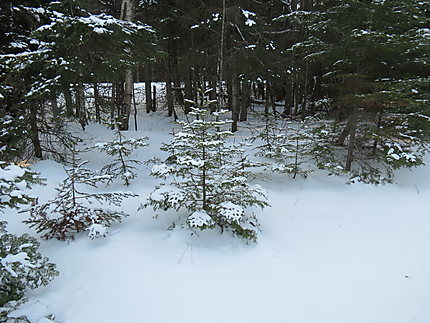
column 97, row 102
column 148, row 84
column 235, row 102
column 188, row 90
column 80, row 103
column 246, row 100
column 128, row 99
column 37, row 149
column 69, row 102
column 127, row 13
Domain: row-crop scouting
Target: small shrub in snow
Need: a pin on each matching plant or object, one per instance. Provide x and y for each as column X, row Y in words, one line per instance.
column 71, row 212
column 21, row 265
column 285, row 147
column 208, row 178
column 122, row 165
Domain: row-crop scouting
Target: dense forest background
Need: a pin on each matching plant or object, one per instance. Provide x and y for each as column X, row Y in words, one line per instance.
column 362, row 66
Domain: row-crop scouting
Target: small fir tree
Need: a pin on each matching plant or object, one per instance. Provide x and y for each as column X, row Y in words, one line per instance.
column 286, row 146
column 121, row 149
column 21, row 266
column 207, row 177
column 66, row 214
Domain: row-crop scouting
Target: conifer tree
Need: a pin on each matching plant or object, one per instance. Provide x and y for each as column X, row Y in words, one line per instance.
column 13, row 180
column 70, row 212
column 21, row 266
column 120, row 148
column 285, row 146
column 207, row 177
column 374, row 68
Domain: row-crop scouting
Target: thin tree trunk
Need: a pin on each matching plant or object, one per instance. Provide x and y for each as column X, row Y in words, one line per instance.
column 127, row 13
column 97, row 102
column 148, row 94
column 69, row 102
column 235, row 103
column 351, row 141
column 37, row 149
column 221, row 56
column 154, row 98
column 135, row 110
column 246, row 100
column 113, row 105
column 188, row 90
column 169, row 98
column 128, row 98
column 80, row 106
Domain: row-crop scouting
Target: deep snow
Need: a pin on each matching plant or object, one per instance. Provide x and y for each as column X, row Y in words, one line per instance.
column 327, row 253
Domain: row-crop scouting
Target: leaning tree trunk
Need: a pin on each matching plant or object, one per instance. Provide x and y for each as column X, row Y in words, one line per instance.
column 127, row 13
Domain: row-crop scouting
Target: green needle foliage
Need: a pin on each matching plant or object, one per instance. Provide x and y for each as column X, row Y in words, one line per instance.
column 70, row 212
column 207, row 177
column 22, row 266
column 121, row 149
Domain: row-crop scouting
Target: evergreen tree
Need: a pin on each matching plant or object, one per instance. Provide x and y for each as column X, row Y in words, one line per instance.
column 13, row 180
column 21, row 266
column 120, row 148
column 375, row 68
column 70, row 212
column 208, row 177
column 286, row 146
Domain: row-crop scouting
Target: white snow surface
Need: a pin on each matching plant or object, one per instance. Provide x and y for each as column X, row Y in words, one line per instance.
column 327, row 253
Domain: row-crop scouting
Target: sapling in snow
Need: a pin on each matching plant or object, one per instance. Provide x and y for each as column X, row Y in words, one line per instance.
column 207, row 177
column 121, row 149
column 285, row 146
column 70, row 212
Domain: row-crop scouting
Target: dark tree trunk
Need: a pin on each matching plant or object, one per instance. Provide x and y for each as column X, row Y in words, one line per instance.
column 246, row 100
column 37, row 149
column 69, row 102
column 235, row 103
column 188, row 90
column 169, row 98
column 154, row 99
column 148, row 95
column 97, row 102
column 80, row 104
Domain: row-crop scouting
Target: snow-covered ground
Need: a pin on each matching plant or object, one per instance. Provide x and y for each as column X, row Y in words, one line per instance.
column 327, row 253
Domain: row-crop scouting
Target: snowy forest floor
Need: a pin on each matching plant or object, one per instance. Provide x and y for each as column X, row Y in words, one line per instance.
column 327, row 253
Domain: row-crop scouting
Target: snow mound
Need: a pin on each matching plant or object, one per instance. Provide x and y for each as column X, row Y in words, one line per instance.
column 231, row 211
column 199, row 219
